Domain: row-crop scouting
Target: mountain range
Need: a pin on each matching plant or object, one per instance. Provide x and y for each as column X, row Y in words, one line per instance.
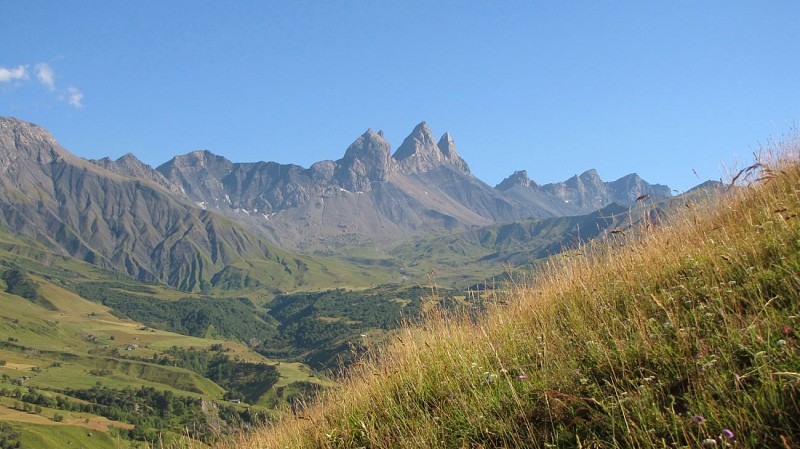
column 200, row 221
column 371, row 194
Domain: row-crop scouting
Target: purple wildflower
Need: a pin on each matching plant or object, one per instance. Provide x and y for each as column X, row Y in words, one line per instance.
column 727, row 434
column 698, row 419
column 522, row 377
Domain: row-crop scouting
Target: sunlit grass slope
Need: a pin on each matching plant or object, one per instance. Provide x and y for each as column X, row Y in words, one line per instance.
column 682, row 336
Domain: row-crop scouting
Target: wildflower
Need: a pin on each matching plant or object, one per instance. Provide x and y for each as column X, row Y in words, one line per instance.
column 727, row 434
column 787, row 330
column 522, row 377
column 698, row 419
column 709, row 442
column 781, row 342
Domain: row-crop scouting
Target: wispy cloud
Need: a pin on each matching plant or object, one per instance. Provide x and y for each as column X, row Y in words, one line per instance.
column 17, row 73
column 75, row 97
column 46, row 75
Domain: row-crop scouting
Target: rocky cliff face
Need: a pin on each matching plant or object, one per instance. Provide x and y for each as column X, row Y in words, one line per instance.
column 420, row 153
column 448, row 149
column 130, row 165
column 517, row 179
column 366, row 160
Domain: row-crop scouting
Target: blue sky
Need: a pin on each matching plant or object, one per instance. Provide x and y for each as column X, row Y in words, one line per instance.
column 659, row 88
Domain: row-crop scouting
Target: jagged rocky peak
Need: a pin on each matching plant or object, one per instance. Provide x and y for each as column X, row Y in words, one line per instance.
column 419, row 142
column 25, row 132
column 366, row 160
column 419, row 152
column 129, row 158
column 202, row 158
column 588, row 178
column 590, row 174
column 448, row 148
column 18, row 138
column 130, row 165
column 131, row 162
column 446, row 145
column 633, row 185
column 194, row 163
column 127, row 164
column 370, row 145
column 518, row 178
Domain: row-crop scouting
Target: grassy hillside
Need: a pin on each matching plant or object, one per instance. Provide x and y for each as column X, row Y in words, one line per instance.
column 72, row 370
column 681, row 336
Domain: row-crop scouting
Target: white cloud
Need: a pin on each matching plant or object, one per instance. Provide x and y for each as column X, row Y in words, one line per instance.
column 18, row 73
column 46, row 75
column 75, row 97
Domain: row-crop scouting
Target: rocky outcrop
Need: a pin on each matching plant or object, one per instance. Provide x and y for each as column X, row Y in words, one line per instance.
column 130, row 165
column 448, row 149
column 519, row 179
column 420, row 153
column 366, row 160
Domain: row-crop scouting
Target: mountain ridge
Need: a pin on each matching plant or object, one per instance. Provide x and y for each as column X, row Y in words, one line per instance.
column 395, row 192
column 166, row 223
column 131, row 224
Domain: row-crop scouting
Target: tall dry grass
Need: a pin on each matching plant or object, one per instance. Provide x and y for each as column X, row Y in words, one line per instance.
column 684, row 335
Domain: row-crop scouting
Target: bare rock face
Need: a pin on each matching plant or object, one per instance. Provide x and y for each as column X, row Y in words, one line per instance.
column 448, row 148
column 24, row 147
column 367, row 160
column 201, row 172
column 419, row 152
column 518, row 178
column 130, row 165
